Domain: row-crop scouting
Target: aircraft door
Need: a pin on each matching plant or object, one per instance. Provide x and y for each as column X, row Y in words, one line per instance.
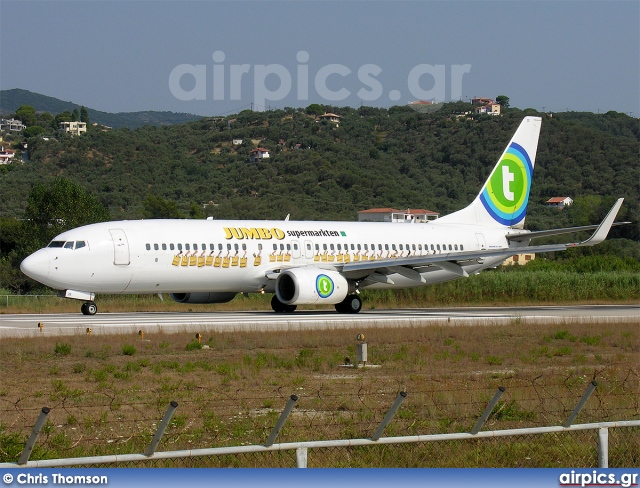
column 481, row 241
column 308, row 249
column 296, row 249
column 120, row 247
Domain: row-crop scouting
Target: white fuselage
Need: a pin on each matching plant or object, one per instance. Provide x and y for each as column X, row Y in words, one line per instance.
column 184, row 256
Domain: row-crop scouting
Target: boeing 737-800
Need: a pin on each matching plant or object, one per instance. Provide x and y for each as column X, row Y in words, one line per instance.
column 210, row 261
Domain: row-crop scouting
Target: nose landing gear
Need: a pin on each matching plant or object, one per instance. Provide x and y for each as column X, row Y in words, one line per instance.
column 89, row 308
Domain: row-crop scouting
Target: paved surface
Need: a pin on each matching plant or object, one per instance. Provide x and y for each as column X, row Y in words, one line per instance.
column 26, row 325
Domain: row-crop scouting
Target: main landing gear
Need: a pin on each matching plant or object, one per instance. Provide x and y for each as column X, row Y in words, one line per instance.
column 351, row 304
column 280, row 307
column 89, row 308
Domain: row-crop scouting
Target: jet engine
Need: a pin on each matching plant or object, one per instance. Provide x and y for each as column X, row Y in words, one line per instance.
column 211, row 297
column 299, row 286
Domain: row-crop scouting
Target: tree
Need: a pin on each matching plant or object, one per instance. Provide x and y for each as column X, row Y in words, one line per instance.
column 158, row 208
column 32, row 131
column 84, row 115
column 27, row 115
column 315, row 109
column 62, row 206
column 75, row 115
column 503, row 100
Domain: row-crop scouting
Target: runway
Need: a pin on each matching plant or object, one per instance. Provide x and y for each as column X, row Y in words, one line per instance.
column 27, row 325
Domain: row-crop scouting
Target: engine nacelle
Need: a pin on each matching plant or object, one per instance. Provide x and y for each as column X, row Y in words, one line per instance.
column 300, row 286
column 212, row 297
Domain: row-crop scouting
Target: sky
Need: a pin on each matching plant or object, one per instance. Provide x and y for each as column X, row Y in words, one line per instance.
column 219, row 57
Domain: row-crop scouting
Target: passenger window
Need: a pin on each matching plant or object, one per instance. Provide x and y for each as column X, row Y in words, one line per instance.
column 219, row 247
column 275, row 247
column 195, row 247
column 228, row 247
column 317, row 247
column 148, row 246
column 212, row 247
column 432, row 247
column 235, row 246
column 450, row 248
column 339, row 247
column 455, row 246
column 171, row 246
column 288, row 247
column 401, row 247
column 393, row 246
column 68, row 245
column 79, row 244
column 179, row 247
column 386, row 247
column 353, row 247
column 419, row 247
column 244, row 247
column 461, row 247
column 204, row 247
column 359, row 247
column 259, row 247
column 164, row 247
column 324, row 247
column 308, row 247
column 186, row 247
column 438, row 247
column 331, row 246
column 156, row 247
column 282, row 247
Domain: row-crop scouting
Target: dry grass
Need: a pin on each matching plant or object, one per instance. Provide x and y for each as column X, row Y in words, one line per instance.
column 107, row 393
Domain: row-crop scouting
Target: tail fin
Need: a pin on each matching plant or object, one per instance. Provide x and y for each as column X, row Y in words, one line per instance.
column 504, row 197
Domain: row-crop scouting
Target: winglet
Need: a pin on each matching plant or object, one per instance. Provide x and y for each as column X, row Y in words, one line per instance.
column 603, row 229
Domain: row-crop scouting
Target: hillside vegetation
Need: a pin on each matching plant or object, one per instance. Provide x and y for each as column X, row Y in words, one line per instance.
column 375, row 158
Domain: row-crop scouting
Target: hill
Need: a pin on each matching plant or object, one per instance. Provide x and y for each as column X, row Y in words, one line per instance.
column 375, row 158
column 11, row 100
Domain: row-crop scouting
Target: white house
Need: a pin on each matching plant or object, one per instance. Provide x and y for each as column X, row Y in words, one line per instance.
column 6, row 155
column 73, row 128
column 257, row 154
column 333, row 118
column 559, row 202
column 11, row 125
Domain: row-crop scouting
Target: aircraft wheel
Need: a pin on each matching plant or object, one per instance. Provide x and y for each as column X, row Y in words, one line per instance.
column 89, row 308
column 280, row 307
column 351, row 304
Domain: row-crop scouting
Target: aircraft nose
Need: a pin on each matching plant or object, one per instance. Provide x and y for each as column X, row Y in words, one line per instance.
column 36, row 266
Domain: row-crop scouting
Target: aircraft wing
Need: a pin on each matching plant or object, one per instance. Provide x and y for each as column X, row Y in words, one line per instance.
column 452, row 261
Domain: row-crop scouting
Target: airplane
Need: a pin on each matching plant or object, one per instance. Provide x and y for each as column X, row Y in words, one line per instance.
column 304, row 262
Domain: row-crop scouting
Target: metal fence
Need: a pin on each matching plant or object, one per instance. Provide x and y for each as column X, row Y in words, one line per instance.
column 581, row 445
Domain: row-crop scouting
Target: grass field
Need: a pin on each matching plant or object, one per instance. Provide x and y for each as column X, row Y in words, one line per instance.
column 488, row 288
column 108, row 393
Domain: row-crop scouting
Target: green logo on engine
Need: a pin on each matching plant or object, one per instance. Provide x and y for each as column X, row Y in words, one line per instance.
column 324, row 286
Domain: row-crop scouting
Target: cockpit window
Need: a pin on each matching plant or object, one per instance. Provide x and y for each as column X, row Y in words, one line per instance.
column 56, row 244
column 68, row 245
column 80, row 244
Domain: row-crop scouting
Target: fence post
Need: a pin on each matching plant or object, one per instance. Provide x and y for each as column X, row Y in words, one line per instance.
column 603, row 447
column 301, row 457
column 161, row 428
column 26, row 453
column 387, row 418
column 583, row 400
column 487, row 411
column 283, row 418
